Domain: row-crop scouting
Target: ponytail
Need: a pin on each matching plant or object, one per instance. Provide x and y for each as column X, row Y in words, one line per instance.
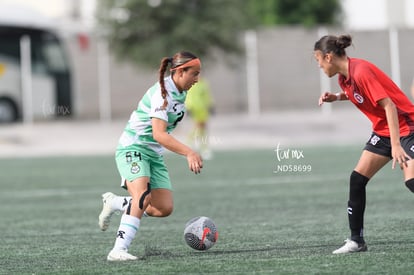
column 162, row 70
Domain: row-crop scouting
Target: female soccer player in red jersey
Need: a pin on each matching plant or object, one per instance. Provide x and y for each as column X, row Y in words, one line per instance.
column 392, row 117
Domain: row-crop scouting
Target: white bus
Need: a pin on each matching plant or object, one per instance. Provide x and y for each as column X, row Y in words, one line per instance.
column 50, row 71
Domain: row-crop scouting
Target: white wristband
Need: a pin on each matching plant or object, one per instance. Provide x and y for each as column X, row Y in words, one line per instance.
column 338, row 96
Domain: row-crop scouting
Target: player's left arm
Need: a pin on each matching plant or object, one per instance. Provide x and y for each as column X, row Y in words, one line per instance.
column 398, row 153
column 160, row 134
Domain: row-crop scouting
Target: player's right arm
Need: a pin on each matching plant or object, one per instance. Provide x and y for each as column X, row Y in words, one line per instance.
column 331, row 97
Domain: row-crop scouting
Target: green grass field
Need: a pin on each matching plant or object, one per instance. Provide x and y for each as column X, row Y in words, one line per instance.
column 269, row 223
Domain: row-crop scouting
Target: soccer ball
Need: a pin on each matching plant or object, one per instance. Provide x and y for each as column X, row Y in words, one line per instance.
column 200, row 233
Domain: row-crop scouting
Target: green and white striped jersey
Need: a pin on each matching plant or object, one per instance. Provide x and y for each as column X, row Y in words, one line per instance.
column 138, row 131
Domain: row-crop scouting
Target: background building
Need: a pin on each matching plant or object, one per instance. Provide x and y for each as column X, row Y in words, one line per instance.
column 287, row 76
column 378, row 14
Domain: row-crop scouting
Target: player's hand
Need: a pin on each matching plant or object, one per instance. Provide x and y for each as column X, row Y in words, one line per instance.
column 399, row 156
column 195, row 163
column 327, row 97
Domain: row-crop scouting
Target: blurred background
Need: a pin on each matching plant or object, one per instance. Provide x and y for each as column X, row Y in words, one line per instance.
column 66, row 62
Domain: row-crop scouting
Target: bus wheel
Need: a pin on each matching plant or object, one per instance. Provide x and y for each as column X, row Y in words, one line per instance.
column 8, row 111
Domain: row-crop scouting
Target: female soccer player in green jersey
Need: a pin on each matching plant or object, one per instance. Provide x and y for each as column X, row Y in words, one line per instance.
column 139, row 153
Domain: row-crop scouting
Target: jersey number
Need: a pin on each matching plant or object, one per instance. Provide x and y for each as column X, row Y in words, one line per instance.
column 180, row 116
column 130, row 155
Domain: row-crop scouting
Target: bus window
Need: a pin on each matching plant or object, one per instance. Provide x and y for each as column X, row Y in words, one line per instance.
column 49, row 61
column 54, row 57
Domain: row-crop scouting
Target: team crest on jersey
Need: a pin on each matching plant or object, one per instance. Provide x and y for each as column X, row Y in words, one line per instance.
column 358, row 98
column 135, row 168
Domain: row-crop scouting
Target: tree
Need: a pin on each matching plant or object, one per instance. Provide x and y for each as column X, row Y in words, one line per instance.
column 144, row 31
column 297, row 12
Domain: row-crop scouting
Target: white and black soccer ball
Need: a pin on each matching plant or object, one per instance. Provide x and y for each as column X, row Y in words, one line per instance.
column 200, row 233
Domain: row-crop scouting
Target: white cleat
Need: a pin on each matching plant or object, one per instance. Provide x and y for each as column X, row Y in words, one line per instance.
column 120, row 255
column 351, row 246
column 107, row 211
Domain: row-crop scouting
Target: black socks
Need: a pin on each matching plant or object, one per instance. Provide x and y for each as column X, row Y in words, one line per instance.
column 356, row 205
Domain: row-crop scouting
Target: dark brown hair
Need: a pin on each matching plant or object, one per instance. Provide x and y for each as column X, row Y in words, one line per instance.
column 333, row 44
column 178, row 59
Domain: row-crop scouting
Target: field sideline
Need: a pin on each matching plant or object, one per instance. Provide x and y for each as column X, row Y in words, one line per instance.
column 270, row 221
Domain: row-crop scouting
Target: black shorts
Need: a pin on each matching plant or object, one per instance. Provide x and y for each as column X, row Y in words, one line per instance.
column 382, row 145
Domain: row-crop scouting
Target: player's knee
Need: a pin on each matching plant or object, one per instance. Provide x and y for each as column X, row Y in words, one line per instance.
column 357, row 181
column 165, row 209
column 145, row 198
column 160, row 212
column 410, row 184
column 167, row 212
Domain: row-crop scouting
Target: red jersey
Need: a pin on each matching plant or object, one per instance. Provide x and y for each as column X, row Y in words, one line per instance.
column 366, row 85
